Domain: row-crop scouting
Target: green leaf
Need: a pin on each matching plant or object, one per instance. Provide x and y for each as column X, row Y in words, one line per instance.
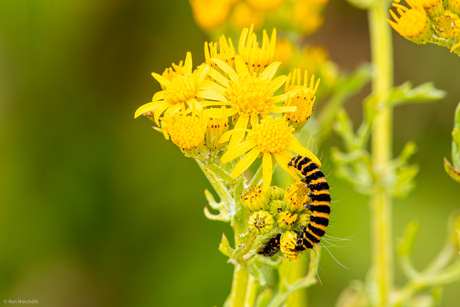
column 451, row 171
column 224, row 246
column 223, row 216
column 264, row 298
column 407, row 243
column 406, row 94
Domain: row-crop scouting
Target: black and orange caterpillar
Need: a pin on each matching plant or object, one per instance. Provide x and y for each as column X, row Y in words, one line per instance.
column 320, row 202
column 272, row 247
column 320, row 208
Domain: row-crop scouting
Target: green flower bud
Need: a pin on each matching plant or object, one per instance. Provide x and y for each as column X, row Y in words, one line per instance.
column 254, row 199
column 302, row 220
column 296, row 197
column 261, row 222
column 288, row 244
column 276, row 207
column 275, row 192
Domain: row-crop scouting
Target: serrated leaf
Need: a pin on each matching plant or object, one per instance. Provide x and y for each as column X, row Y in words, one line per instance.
column 406, row 94
column 223, row 216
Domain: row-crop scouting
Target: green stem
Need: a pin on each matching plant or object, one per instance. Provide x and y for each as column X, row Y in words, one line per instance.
column 382, row 252
column 239, row 286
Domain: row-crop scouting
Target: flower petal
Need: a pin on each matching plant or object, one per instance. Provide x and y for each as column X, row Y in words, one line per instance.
column 279, row 81
column 160, row 111
column 188, row 64
column 283, row 109
column 267, row 169
column 158, row 96
column 148, row 107
column 227, row 69
column 237, row 151
column 283, row 162
column 245, row 162
column 219, row 77
column 241, row 123
column 240, row 66
column 226, row 136
column 210, row 95
column 202, row 73
column 300, row 150
column 162, row 80
column 270, row 71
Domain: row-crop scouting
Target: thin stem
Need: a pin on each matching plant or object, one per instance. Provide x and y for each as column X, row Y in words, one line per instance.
column 382, row 251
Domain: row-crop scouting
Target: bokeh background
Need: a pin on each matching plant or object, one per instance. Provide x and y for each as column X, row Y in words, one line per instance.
column 97, row 209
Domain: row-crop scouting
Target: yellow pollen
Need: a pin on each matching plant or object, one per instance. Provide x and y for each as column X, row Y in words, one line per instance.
column 186, row 132
column 181, row 89
column 272, row 135
column 251, row 95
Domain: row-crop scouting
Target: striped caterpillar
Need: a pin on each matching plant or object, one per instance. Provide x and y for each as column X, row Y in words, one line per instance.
column 320, row 205
column 272, row 247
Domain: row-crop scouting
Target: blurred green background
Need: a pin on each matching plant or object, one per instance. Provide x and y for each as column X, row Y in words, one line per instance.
column 97, row 209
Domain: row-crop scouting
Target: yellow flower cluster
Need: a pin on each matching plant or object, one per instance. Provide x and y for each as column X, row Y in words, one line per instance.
column 276, row 209
column 304, row 16
column 429, row 21
column 232, row 97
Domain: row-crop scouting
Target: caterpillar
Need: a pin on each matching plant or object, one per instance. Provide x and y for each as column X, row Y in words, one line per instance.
column 272, row 247
column 320, row 202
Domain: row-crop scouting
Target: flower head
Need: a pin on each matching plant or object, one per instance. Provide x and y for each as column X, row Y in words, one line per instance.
column 276, row 207
column 413, row 24
column 288, row 245
column 261, row 222
column 187, row 132
column 296, row 197
column 303, row 100
column 272, row 137
column 254, row 199
column 210, row 14
column 215, row 129
column 181, row 87
column 286, row 219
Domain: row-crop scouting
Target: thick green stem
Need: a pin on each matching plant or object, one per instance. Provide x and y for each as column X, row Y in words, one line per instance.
column 239, row 286
column 382, row 251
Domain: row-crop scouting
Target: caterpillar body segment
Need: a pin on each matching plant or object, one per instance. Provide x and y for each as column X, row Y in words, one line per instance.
column 320, row 202
column 272, row 247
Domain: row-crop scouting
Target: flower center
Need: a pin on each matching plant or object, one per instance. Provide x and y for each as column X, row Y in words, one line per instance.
column 181, row 89
column 447, row 26
column 251, row 95
column 272, row 135
column 187, row 132
column 261, row 222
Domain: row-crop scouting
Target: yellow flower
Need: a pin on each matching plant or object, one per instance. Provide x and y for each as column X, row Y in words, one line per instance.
column 413, row 24
column 254, row 199
column 434, row 8
column 288, row 245
column 216, row 128
column 187, row 132
column 223, row 50
column 265, row 4
column 184, row 88
column 448, row 25
column 210, row 14
column 454, row 6
column 249, row 95
column 273, row 136
column 244, row 15
column 296, row 197
column 303, row 100
column 286, row 219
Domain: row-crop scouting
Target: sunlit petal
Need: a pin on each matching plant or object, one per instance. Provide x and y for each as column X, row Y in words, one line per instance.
column 237, row 151
column 245, row 162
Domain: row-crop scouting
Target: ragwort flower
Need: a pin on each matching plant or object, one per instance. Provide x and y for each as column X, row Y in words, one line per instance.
column 181, row 87
column 272, row 137
column 249, row 95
